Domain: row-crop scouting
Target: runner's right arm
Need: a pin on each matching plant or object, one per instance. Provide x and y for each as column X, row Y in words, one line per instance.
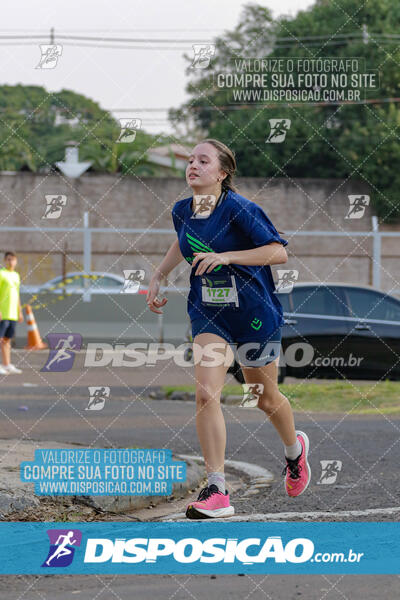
column 169, row 262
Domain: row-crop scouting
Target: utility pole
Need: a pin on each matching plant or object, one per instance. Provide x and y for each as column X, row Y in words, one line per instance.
column 365, row 33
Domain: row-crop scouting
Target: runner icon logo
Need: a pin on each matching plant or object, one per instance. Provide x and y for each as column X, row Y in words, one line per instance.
column 97, row 397
column 203, row 205
column 62, row 351
column 357, row 206
column 62, row 547
column 251, row 394
column 133, row 279
column 202, row 55
column 49, row 56
column 129, row 127
column 279, row 129
column 286, row 279
column 54, row 206
column 330, row 471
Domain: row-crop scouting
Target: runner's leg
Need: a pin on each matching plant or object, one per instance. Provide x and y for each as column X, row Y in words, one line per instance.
column 275, row 405
column 210, row 422
column 5, row 351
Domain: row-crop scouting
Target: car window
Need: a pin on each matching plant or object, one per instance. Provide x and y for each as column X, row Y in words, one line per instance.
column 74, row 281
column 104, row 281
column 366, row 304
column 318, row 301
column 58, row 283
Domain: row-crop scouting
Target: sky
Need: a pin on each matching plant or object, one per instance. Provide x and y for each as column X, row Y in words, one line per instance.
column 119, row 78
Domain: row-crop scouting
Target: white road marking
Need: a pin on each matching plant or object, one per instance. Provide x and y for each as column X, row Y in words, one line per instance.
column 284, row 516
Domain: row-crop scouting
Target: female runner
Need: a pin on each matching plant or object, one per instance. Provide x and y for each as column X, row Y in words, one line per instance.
column 230, row 243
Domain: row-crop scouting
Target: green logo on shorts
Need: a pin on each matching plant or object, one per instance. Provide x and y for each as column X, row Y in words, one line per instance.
column 256, row 324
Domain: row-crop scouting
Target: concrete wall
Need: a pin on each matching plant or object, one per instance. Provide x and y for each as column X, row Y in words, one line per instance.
column 125, row 201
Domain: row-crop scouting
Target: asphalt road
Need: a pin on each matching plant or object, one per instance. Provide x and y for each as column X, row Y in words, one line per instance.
column 198, row 587
column 367, row 446
column 52, row 407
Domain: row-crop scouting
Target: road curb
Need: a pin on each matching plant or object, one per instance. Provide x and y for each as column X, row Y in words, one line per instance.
column 119, row 504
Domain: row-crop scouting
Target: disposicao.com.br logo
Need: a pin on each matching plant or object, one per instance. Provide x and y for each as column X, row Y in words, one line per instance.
column 248, row 551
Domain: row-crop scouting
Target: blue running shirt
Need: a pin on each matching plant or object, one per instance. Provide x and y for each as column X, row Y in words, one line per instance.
column 240, row 297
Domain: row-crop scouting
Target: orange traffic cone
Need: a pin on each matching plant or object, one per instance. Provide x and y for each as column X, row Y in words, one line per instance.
column 34, row 339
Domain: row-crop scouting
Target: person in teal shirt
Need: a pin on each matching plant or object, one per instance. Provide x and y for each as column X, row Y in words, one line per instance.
column 10, row 311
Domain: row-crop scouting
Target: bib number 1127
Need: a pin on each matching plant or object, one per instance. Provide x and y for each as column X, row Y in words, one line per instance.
column 219, row 290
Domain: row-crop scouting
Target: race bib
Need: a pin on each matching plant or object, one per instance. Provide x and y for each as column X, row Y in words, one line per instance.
column 219, row 289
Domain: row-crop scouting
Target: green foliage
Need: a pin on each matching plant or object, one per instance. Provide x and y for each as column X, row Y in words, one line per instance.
column 354, row 397
column 331, row 141
column 35, row 126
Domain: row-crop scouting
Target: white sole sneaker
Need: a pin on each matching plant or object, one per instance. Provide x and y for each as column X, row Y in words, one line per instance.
column 306, row 447
column 197, row 513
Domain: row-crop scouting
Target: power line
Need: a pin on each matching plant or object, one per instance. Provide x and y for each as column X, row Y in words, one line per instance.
column 136, row 109
column 114, row 47
column 293, row 38
column 104, row 39
column 45, row 32
column 184, row 47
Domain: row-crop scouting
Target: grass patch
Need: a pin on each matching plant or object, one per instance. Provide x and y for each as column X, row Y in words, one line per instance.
column 336, row 396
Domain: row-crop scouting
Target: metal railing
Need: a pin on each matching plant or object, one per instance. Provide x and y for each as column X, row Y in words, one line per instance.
column 88, row 231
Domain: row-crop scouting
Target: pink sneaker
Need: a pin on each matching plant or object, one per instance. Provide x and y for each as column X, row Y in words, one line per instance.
column 211, row 503
column 297, row 471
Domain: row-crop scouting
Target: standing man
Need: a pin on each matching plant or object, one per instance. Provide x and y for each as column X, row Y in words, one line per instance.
column 10, row 310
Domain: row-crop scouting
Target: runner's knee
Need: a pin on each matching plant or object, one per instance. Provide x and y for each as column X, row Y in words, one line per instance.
column 206, row 395
column 270, row 400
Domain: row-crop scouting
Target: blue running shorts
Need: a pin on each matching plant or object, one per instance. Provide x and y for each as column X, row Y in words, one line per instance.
column 248, row 353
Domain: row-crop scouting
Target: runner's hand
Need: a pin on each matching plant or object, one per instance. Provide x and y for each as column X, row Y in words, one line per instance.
column 209, row 260
column 20, row 318
column 152, row 300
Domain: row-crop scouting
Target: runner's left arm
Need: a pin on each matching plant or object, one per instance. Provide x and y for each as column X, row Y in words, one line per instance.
column 273, row 253
column 270, row 254
column 268, row 247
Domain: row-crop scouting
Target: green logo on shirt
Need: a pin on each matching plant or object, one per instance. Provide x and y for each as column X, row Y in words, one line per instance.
column 256, row 324
column 198, row 246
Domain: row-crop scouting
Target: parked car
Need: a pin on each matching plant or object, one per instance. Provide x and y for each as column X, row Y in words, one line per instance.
column 338, row 331
column 77, row 282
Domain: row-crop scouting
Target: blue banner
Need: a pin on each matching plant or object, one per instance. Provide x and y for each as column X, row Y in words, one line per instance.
column 200, row 547
column 103, row 472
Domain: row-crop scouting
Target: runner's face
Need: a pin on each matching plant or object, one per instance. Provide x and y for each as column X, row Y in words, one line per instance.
column 203, row 167
column 11, row 262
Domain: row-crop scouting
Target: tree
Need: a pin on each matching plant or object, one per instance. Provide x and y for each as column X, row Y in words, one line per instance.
column 358, row 141
column 35, row 126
